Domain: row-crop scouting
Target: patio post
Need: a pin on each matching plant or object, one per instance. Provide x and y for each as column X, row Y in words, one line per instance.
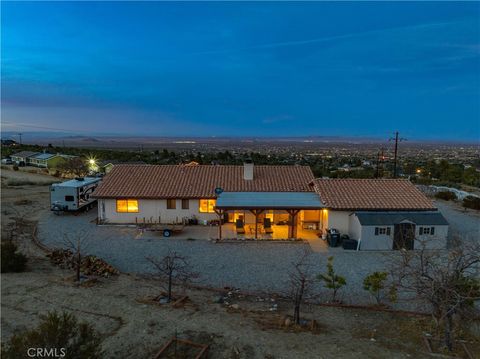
column 256, row 213
column 292, row 230
column 220, row 213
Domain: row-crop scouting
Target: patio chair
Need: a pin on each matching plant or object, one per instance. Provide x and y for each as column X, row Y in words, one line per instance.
column 239, row 226
column 267, row 224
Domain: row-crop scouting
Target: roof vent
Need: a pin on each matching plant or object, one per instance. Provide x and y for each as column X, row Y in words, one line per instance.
column 248, row 170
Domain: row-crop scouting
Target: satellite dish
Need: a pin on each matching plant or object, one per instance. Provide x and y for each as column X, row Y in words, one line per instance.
column 218, row 191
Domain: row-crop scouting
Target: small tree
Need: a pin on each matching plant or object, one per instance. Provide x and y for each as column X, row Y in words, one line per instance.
column 173, row 267
column 332, row 280
column 74, row 166
column 301, row 284
column 375, row 284
column 56, row 334
column 77, row 243
column 448, row 282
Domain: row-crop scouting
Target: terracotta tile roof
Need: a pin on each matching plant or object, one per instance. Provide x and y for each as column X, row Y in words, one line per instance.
column 180, row 181
column 371, row 194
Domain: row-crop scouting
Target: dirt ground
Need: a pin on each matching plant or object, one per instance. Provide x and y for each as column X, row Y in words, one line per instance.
column 134, row 327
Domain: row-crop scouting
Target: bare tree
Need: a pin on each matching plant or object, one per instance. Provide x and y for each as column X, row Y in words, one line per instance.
column 77, row 243
column 448, row 281
column 301, row 282
column 173, row 268
column 75, row 166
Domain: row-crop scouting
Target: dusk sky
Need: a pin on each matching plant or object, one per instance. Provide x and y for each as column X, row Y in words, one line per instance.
column 243, row 69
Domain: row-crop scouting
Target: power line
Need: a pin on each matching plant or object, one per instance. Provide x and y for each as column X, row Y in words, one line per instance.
column 397, row 140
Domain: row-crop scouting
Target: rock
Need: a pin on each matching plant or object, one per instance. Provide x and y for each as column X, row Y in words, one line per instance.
column 235, row 306
column 287, row 322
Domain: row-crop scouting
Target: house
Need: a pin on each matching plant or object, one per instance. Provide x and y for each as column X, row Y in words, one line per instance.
column 46, row 160
column 382, row 213
column 23, row 158
column 271, row 201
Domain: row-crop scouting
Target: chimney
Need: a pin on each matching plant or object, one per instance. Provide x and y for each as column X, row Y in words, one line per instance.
column 248, row 170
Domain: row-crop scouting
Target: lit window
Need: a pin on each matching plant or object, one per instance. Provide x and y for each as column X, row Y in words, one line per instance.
column 207, row 205
column 127, row 205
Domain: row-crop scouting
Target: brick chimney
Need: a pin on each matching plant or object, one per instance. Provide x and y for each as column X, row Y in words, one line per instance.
column 248, row 170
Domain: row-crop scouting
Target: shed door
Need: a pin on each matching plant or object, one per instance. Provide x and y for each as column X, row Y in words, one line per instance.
column 403, row 236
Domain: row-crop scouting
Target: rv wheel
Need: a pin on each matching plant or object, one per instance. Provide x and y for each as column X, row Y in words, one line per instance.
column 167, row 233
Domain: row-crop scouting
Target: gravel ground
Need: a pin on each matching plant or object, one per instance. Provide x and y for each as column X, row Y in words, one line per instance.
column 465, row 223
column 250, row 266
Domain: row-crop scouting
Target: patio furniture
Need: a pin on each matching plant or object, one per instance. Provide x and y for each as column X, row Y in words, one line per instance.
column 239, row 226
column 267, row 224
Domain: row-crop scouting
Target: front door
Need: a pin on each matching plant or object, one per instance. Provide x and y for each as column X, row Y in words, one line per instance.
column 403, row 236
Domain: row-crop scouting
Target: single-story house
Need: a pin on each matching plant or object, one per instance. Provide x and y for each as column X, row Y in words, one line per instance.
column 23, row 158
column 382, row 213
column 46, row 160
column 271, row 201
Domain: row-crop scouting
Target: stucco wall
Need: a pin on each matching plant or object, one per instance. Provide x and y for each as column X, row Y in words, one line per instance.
column 355, row 228
column 151, row 211
column 339, row 220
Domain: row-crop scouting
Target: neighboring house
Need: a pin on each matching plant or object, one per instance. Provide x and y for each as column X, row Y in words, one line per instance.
column 382, row 213
column 23, row 158
column 379, row 213
column 9, row 143
column 46, row 160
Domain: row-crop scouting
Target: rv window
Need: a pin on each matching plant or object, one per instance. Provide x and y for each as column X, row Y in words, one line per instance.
column 69, row 199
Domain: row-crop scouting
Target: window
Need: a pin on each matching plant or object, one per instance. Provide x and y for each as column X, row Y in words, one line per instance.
column 127, row 206
column 185, row 204
column 427, row 230
column 382, row 231
column 206, row 205
column 171, row 203
column 69, row 199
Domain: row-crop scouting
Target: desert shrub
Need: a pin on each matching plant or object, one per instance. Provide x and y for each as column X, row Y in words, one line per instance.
column 446, row 195
column 57, row 333
column 472, row 202
column 332, row 280
column 12, row 261
column 375, row 284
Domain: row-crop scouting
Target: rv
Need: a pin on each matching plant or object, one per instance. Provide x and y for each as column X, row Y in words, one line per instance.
column 73, row 195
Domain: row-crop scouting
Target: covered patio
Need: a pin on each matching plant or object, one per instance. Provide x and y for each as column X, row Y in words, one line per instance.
column 269, row 215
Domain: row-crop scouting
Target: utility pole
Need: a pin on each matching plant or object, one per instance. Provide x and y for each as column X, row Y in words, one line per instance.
column 380, row 158
column 20, row 137
column 396, row 139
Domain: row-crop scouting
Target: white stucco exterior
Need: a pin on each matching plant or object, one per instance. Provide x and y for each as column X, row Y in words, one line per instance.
column 151, row 211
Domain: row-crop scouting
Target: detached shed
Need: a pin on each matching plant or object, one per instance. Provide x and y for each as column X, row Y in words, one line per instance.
column 394, row 230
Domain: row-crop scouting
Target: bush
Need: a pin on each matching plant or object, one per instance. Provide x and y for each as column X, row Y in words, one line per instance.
column 11, row 260
column 56, row 333
column 472, row 202
column 15, row 167
column 375, row 283
column 332, row 280
column 446, row 195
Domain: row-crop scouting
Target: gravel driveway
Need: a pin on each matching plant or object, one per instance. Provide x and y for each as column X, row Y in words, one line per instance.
column 247, row 265
column 250, row 266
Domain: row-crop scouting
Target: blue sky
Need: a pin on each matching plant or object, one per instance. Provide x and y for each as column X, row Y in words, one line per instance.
column 243, row 69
